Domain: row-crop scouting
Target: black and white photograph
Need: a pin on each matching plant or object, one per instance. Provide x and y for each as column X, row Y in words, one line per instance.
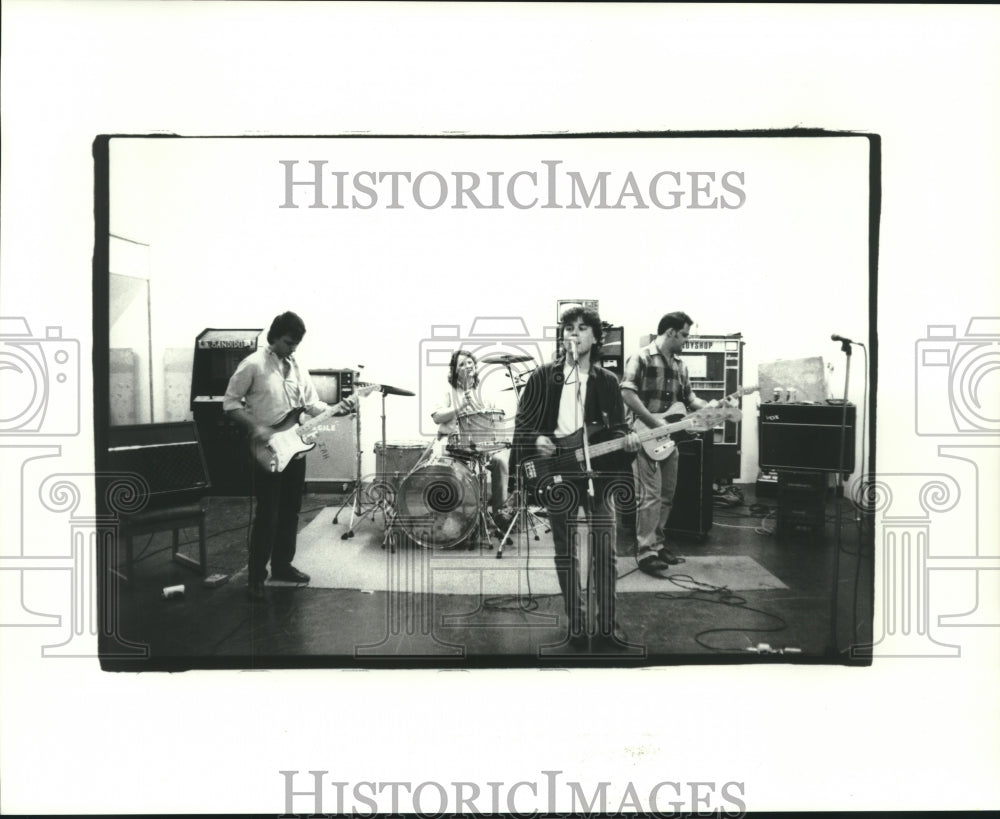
column 493, row 408
column 351, row 353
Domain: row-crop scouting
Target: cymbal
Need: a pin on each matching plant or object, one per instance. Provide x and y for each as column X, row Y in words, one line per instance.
column 505, row 359
column 393, row 390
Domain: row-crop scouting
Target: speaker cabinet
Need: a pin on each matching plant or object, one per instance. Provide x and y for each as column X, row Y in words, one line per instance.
column 217, row 354
column 332, row 464
column 806, row 437
column 801, row 504
column 691, row 515
column 227, row 450
column 168, row 457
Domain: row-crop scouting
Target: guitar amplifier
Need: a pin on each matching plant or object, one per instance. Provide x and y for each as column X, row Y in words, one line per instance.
column 331, row 465
column 167, row 456
column 806, row 437
column 217, row 352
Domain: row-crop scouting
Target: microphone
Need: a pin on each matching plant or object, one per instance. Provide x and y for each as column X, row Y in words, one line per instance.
column 571, row 342
column 835, row 337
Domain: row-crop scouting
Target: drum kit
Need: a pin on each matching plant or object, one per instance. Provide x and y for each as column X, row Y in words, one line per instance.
column 436, row 492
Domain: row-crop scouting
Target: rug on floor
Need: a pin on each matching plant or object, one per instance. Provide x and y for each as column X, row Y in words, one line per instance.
column 362, row 563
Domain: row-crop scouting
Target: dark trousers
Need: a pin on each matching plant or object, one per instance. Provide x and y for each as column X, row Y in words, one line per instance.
column 563, row 507
column 276, row 519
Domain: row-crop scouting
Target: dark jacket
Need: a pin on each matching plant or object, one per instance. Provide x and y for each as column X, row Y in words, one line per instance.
column 538, row 408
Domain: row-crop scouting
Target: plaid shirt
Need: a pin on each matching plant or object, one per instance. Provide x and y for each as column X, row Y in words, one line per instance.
column 657, row 381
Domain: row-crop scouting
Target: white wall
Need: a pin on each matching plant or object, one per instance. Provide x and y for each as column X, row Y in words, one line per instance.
column 786, row 269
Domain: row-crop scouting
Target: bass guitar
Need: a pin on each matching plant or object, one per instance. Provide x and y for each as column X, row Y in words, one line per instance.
column 677, row 411
column 609, row 455
column 294, row 434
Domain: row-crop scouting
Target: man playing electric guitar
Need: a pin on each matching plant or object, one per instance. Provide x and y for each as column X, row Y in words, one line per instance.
column 268, row 387
column 559, row 401
column 654, row 380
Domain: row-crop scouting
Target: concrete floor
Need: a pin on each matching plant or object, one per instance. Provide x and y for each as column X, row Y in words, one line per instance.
column 306, row 627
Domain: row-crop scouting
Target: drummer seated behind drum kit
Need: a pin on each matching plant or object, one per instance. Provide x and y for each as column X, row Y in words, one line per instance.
column 441, row 502
column 436, row 492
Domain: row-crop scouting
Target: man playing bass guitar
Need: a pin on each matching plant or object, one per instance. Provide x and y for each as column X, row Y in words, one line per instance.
column 560, row 401
column 268, row 387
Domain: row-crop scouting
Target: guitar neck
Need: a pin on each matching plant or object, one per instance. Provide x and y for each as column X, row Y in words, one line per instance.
column 607, row 447
column 704, row 418
column 349, row 403
column 740, row 393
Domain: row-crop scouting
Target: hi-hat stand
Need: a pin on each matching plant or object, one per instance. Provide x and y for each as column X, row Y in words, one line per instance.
column 531, row 522
column 380, row 494
column 523, row 514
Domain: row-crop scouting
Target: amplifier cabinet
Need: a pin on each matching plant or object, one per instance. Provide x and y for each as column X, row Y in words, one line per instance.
column 167, row 456
column 801, row 504
column 806, row 437
column 217, row 353
column 227, row 450
column 331, row 465
column 691, row 513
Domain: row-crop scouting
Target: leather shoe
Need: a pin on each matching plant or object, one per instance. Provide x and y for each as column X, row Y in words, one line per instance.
column 255, row 591
column 668, row 557
column 652, row 565
column 289, row 574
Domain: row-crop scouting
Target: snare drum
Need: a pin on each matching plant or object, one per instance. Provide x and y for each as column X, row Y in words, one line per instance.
column 395, row 461
column 479, row 431
column 438, row 503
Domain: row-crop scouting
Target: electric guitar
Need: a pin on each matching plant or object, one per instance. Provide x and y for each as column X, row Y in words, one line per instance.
column 293, row 435
column 677, row 411
column 604, row 455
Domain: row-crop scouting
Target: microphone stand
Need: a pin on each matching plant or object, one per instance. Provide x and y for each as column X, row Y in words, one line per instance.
column 591, row 534
column 845, row 347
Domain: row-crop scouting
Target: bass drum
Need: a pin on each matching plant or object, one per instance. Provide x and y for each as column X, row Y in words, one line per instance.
column 438, row 503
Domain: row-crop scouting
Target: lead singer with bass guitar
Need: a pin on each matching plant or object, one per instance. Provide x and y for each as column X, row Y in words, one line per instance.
column 561, row 401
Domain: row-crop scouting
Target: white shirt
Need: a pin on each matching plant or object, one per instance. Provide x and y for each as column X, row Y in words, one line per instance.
column 572, row 401
column 270, row 393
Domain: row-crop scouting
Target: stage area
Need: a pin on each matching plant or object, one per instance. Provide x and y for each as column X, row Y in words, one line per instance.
column 372, row 607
